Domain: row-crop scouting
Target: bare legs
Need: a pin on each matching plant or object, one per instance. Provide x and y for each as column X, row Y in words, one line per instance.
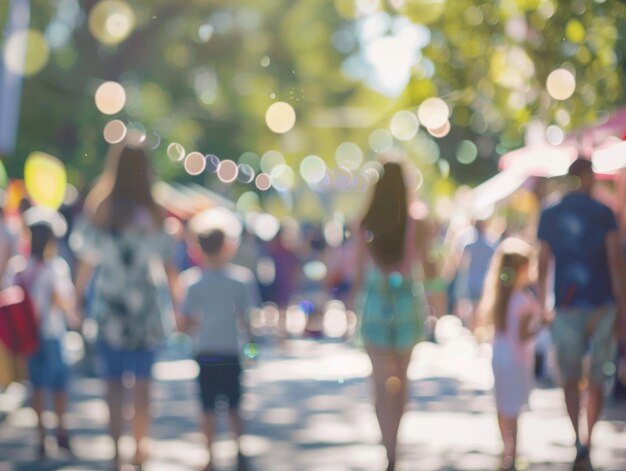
column 59, row 399
column 208, row 428
column 389, row 374
column 115, row 401
column 141, row 416
column 508, row 430
column 572, row 403
column 595, row 403
column 594, row 408
column 38, row 405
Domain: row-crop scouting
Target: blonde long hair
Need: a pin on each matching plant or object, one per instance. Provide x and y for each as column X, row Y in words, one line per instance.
column 510, row 257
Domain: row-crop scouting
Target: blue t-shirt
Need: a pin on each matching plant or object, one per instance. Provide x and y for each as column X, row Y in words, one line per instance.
column 576, row 229
column 471, row 280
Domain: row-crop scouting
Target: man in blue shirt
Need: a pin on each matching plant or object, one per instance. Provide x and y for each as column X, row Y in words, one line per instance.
column 580, row 235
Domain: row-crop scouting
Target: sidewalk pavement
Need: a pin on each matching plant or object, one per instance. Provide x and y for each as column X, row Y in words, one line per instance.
column 11, row 399
column 308, row 408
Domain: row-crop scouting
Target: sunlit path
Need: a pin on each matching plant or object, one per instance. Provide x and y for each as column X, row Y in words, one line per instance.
column 308, row 408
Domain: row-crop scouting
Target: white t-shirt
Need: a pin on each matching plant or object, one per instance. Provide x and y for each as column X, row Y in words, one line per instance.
column 219, row 301
column 42, row 281
column 7, row 239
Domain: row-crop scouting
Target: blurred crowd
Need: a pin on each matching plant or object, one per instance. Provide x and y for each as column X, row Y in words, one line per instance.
column 127, row 273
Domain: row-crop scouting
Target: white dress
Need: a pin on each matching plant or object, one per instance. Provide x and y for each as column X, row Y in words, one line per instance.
column 513, row 359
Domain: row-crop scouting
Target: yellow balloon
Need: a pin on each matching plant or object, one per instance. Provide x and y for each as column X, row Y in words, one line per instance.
column 45, row 179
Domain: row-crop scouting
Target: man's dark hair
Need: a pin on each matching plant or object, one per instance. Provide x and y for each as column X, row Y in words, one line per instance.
column 213, row 242
column 580, row 167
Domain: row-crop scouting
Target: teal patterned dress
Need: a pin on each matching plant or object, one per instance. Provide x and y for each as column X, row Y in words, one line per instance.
column 392, row 303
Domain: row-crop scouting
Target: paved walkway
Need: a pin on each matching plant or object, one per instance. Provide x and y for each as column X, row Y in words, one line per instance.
column 308, row 409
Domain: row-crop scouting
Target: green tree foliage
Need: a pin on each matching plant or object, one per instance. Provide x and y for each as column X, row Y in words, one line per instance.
column 204, row 73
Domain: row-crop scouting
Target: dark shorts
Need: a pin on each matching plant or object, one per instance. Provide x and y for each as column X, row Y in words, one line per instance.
column 117, row 361
column 219, row 377
column 47, row 368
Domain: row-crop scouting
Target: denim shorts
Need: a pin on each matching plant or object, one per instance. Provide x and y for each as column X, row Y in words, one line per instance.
column 576, row 331
column 117, row 361
column 47, row 368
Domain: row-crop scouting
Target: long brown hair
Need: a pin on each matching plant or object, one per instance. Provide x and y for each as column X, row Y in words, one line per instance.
column 386, row 218
column 124, row 186
column 510, row 257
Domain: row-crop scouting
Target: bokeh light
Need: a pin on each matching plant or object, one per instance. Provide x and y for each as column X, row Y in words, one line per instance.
column 111, row 21
column 335, row 320
column 110, row 98
column 136, row 134
column 265, row 226
column 283, row 178
column 280, row 117
column 440, row 132
column 312, row 169
column 372, row 171
column 346, row 8
column 561, row 84
column 227, row 171
column 246, row 173
column 251, row 159
column 343, row 179
column 404, row 125
column 212, row 163
column 420, row 11
column 349, row 156
column 114, row 131
column 380, row 140
column 153, row 140
column 195, row 163
column 555, row 135
column 263, row 181
column 271, row 159
column 433, row 113
column 26, row 52
column 334, row 233
column 205, row 32
column 249, row 202
column 466, row 152
column 176, row 152
column 315, row 270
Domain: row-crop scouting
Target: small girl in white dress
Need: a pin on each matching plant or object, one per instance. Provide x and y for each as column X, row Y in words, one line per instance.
column 511, row 308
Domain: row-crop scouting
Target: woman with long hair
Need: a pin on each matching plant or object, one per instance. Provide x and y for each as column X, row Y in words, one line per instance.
column 123, row 237
column 392, row 245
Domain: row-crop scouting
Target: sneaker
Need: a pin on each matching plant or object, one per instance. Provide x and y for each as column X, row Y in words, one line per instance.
column 41, row 451
column 507, row 463
column 582, row 453
column 242, row 462
column 63, row 442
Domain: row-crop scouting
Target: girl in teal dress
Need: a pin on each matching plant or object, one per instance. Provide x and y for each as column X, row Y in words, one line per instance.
column 389, row 297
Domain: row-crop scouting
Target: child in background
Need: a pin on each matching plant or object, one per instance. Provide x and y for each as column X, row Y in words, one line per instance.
column 214, row 312
column 510, row 307
column 48, row 281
